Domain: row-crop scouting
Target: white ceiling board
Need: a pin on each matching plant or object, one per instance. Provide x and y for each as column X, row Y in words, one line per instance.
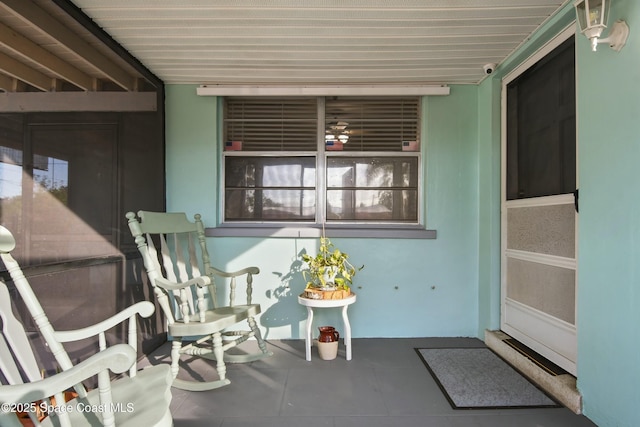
column 252, row 42
column 288, row 41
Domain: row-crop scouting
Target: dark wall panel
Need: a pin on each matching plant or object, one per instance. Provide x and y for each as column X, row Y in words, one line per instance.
column 66, row 182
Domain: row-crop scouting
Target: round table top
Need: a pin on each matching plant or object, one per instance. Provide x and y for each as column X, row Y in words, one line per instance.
column 327, row 302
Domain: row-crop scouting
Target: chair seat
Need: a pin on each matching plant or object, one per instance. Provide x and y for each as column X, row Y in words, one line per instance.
column 137, row 401
column 214, row 320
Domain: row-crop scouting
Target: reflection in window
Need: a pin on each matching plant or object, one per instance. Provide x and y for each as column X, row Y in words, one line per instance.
column 10, row 172
column 51, row 175
column 10, row 186
column 57, row 196
column 272, row 188
column 374, row 189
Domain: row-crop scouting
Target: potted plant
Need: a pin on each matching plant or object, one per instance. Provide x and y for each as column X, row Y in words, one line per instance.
column 329, row 273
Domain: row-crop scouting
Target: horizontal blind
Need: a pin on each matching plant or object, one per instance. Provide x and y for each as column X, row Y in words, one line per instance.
column 272, row 124
column 373, row 123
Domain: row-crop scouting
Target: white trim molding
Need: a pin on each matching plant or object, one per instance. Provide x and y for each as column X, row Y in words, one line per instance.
column 560, row 199
column 553, row 260
column 321, row 90
column 551, row 337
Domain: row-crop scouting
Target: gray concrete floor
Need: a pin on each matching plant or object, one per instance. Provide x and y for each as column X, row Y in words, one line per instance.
column 386, row 384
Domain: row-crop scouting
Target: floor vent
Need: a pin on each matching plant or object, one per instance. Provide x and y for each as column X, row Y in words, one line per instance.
column 544, row 363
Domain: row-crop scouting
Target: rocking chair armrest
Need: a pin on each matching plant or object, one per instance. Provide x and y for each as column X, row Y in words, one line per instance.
column 248, row 270
column 168, row 285
column 143, row 308
column 117, row 358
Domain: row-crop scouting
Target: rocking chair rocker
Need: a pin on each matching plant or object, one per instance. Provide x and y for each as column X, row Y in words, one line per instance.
column 174, row 271
column 140, row 399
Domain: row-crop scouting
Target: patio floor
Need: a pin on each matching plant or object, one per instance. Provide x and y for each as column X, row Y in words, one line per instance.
column 386, row 384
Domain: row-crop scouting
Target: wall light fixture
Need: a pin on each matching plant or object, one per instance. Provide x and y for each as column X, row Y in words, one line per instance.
column 592, row 17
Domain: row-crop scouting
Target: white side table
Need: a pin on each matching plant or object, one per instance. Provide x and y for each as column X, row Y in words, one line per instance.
column 328, row 303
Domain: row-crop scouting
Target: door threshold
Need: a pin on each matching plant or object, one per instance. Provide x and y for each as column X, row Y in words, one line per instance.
column 561, row 386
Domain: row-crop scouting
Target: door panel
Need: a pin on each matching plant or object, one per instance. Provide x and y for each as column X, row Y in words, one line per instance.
column 545, row 229
column 545, row 334
column 539, row 276
column 538, row 213
column 543, row 287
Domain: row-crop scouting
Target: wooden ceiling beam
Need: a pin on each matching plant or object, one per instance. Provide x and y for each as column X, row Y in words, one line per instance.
column 21, row 102
column 33, row 14
column 21, row 71
column 6, row 83
column 28, row 49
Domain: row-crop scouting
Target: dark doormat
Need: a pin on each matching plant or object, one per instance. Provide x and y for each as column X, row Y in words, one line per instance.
column 477, row 378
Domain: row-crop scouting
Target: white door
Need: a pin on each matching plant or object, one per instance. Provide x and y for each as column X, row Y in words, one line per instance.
column 538, row 301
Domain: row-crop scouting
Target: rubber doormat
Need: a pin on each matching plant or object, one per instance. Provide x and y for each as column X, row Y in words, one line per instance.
column 477, row 378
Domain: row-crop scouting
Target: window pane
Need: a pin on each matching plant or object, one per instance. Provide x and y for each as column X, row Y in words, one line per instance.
column 372, row 205
column 270, row 188
column 73, row 177
column 372, row 188
column 371, row 123
column 11, row 175
column 541, row 127
column 372, row 171
column 270, row 205
column 271, row 124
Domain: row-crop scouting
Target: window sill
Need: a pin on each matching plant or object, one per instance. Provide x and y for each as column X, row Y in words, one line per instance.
column 313, row 231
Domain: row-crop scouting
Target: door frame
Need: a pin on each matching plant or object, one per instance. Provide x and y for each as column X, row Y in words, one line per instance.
column 516, row 318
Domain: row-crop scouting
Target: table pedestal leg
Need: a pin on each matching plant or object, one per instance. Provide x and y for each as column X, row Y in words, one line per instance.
column 307, row 338
column 347, row 332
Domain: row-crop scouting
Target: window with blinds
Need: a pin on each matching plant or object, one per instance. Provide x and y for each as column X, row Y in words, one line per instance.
column 363, row 152
column 372, row 123
column 271, row 124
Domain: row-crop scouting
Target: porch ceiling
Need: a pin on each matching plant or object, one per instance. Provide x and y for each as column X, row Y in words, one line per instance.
column 264, row 41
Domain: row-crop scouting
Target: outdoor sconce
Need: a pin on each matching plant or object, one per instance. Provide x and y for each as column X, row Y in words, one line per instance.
column 592, row 18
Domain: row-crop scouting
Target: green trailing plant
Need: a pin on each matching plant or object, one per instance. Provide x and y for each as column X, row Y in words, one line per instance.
column 330, row 267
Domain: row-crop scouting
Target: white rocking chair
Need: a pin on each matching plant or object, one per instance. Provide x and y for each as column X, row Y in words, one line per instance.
column 182, row 279
column 140, row 399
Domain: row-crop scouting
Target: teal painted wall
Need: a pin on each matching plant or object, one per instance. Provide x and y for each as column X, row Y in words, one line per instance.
column 192, row 160
column 489, row 206
column 426, row 287
column 609, row 226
